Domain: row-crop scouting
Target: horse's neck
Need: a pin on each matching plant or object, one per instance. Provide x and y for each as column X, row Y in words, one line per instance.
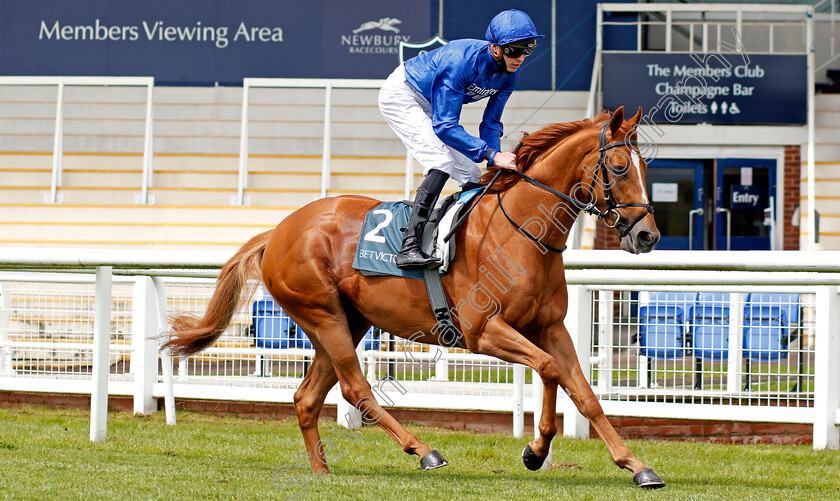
column 563, row 170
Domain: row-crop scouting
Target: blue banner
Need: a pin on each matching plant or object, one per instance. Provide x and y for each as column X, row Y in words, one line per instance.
column 201, row 41
column 719, row 88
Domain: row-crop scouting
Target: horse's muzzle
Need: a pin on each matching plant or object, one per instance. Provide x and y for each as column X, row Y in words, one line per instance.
column 642, row 237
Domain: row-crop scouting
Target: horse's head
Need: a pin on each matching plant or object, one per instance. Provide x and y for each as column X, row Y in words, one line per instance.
column 592, row 166
column 618, row 184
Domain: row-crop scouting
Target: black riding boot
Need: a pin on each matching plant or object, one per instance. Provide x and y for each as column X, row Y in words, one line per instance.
column 411, row 256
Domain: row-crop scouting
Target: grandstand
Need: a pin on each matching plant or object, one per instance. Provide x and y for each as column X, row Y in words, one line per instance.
column 73, row 171
column 196, row 160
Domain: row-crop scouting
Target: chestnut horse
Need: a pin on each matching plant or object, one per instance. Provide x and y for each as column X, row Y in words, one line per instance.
column 305, row 262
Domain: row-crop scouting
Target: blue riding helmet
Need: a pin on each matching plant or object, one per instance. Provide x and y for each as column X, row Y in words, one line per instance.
column 511, row 26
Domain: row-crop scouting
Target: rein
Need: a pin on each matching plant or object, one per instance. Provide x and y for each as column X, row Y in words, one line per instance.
column 589, row 207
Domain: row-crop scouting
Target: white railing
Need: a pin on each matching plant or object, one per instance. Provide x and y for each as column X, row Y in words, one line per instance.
column 58, row 140
column 294, row 83
column 828, row 14
column 52, row 325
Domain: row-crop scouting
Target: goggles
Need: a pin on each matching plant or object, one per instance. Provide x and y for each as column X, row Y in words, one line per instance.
column 514, row 51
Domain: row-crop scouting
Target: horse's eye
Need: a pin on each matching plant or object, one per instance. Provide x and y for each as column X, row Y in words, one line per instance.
column 618, row 162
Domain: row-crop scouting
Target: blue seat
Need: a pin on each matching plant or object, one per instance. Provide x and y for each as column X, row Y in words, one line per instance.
column 662, row 324
column 767, row 320
column 301, row 339
column 709, row 320
column 270, row 325
column 372, row 338
column 272, row 328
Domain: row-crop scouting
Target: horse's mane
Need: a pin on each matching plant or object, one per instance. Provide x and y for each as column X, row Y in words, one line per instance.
column 532, row 146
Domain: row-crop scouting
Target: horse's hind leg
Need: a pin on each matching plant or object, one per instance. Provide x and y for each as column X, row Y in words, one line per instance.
column 310, row 395
column 331, row 330
column 309, row 399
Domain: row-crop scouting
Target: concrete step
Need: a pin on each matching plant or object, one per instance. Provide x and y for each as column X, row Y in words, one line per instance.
column 134, row 226
column 22, row 176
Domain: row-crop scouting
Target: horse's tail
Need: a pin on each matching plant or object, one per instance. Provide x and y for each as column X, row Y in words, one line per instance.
column 191, row 333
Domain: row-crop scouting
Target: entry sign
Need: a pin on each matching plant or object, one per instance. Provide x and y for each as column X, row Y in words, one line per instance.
column 745, row 197
column 720, row 88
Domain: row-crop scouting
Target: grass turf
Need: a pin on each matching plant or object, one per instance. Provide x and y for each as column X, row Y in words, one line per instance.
column 45, row 454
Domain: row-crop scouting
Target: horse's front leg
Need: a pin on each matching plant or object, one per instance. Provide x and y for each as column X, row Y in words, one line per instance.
column 558, row 343
column 502, row 341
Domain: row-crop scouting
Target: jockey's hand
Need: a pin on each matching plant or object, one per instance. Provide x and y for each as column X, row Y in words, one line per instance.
column 505, row 160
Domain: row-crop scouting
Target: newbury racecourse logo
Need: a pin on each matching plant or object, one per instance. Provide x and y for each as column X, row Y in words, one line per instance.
column 368, row 39
column 386, row 23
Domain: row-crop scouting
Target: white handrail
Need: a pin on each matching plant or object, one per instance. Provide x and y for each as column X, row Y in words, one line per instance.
column 80, row 259
column 58, row 139
column 328, row 84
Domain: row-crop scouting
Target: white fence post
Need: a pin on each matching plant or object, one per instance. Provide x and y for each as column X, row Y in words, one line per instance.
column 6, row 367
column 643, row 362
column 144, row 324
column 605, row 340
column 735, row 366
column 441, row 368
column 579, row 324
column 101, row 355
column 518, row 400
column 165, row 357
column 827, row 369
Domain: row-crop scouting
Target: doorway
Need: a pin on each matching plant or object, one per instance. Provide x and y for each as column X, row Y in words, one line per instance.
column 713, row 204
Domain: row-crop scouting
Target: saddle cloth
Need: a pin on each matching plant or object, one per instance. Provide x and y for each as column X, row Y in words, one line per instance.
column 382, row 235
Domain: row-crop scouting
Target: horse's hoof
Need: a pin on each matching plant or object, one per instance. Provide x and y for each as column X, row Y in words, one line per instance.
column 531, row 460
column 647, row 479
column 432, row 460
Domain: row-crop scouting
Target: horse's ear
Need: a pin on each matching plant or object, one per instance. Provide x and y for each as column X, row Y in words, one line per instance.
column 636, row 118
column 617, row 120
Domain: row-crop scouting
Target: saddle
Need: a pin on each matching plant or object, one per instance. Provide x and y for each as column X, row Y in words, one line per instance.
column 382, row 234
column 380, row 240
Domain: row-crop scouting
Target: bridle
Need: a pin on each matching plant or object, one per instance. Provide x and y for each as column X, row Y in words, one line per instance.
column 589, row 207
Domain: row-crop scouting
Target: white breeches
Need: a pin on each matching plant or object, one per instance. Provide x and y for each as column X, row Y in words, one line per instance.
column 410, row 115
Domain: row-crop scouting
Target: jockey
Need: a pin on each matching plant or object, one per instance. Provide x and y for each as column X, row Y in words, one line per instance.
column 422, row 101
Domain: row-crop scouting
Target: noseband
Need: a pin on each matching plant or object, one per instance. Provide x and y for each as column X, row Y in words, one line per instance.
column 589, row 207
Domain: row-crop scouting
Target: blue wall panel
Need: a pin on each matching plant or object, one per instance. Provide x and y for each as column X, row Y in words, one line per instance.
column 194, row 42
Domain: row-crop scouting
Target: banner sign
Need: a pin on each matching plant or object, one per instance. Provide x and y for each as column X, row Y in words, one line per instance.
column 720, row 88
column 201, row 41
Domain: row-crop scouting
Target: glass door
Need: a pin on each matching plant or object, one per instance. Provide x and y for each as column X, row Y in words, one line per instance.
column 744, row 204
column 677, row 193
